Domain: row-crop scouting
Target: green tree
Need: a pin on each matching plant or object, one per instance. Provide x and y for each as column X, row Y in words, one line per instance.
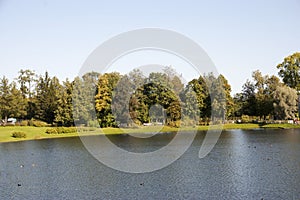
column 18, row 104
column 120, row 101
column 289, row 71
column 246, row 100
column 285, row 102
column 81, row 102
column 263, row 96
column 12, row 103
column 83, row 96
column 265, row 88
column 196, row 99
column 27, row 80
column 238, row 105
column 191, row 107
column 154, row 99
column 257, row 97
column 47, row 98
column 174, row 80
column 219, row 93
column 64, row 110
column 5, row 98
column 226, row 88
column 137, row 108
column 159, row 90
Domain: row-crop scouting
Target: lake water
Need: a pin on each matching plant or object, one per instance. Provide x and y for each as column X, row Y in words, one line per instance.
column 253, row 164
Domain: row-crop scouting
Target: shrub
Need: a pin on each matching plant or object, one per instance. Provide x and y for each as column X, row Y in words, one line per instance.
column 34, row 122
column 51, row 131
column 93, row 123
column 245, row 119
column 38, row 123
column 24, row 123
column 60, row 130
column 30, row 122
column 175, row 124
column 19, row 134
column 66, row 129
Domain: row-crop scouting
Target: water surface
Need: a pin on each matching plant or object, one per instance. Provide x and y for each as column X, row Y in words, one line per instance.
column 251, row 164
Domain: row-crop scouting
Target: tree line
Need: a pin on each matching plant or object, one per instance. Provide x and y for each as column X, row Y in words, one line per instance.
column 112, row 99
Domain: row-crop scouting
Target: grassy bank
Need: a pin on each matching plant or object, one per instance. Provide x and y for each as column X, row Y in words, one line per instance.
column 35, row 133
column 281, row 126
column 32, row 133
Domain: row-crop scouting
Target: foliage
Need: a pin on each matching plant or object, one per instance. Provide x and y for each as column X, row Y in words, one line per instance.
column 34, row 123
column 112, row 100
column 24, row 123
column 285, row 102
column 67, row 130
column 245, row 119
column 289, row 71
column 64, row 111
column 257, row 97
column 121, row 99
column 61, row 130
column 194, row 97
column 5, row 98
column 103, row 99
column 281, row 126
column 47, row 98
column 19, row 134
column 26, row 79
column 93, row 123
column 38, row 123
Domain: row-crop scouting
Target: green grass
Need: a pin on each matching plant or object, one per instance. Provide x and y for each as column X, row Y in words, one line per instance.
column 32, row 133
column 35, row 133
column 281, row 126
column 241, row 126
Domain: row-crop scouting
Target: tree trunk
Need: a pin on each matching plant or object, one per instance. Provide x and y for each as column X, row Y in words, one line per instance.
column 5, row 120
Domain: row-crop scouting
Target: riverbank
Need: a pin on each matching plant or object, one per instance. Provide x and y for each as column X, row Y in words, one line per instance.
column 37, row 133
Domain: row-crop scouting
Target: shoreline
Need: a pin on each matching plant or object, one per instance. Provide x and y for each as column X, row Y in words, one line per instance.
column 38, row 133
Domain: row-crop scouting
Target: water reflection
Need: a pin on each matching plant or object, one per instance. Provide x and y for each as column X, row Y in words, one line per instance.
column 243, row 165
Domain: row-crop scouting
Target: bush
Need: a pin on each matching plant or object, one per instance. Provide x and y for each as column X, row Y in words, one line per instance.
column 60, row 130
column 175, row 124
column 38, row 123
column 93, row 123
column 51, row 131
column 30, row 122
column 19, row 134
column 66, row 129
column 34, row 122
column 245, row 119
column 24, row 123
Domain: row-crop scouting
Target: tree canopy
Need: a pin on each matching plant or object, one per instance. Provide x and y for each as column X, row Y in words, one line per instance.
column 289, row 71
column 112, row 99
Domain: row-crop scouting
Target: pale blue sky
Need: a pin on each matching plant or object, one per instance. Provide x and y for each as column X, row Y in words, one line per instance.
column 57, row 36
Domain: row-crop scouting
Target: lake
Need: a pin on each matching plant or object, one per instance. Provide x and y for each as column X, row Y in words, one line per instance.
column 252, row 164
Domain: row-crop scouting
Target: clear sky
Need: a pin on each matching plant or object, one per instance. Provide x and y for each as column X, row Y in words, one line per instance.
column 57, row 36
